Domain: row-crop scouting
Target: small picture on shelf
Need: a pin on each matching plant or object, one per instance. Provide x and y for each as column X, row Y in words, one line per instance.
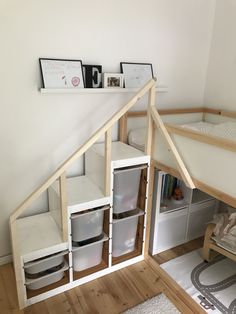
column 112, row 80
column 92, row 76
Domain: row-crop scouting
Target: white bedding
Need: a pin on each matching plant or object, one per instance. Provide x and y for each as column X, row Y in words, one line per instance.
column 136, row 137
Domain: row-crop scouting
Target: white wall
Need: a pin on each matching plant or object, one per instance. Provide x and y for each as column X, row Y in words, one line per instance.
column 221, row 74
column 37, row 132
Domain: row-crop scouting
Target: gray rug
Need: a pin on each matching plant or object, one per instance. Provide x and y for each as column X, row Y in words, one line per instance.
column 212, row 285
column 159, row 304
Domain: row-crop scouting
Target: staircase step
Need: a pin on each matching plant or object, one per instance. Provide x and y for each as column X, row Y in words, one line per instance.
column 38, row 236
column 82, row 194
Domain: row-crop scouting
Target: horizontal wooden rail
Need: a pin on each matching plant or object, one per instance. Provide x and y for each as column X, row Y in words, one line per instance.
column 182, row 169
column 163, row 112
column 79, row 152
column 224, row 113
column 204, row 138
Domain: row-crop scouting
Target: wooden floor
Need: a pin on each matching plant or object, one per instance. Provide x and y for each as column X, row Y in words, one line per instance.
column 111, row 294
column 179, row 250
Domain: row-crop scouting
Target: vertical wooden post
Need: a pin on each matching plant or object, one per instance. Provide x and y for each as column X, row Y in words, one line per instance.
column 148, row 151
column 123, row 128
column 150, row 123
column 108, row 138
column 149, row 208
column 64, row 210
column 18, row 266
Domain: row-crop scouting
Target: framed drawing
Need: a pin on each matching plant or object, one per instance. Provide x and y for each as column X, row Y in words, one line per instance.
column 92, row 76
column 113, row 80
column 61, row 73
column 136, row 74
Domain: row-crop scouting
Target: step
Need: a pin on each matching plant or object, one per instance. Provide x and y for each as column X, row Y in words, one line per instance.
column 82, row 194
column 38, row 236
column 121, row 153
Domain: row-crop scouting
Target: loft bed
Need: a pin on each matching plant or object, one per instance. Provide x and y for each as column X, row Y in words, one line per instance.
column 204, row 138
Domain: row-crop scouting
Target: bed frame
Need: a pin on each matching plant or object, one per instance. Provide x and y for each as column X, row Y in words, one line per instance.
column 183, row 137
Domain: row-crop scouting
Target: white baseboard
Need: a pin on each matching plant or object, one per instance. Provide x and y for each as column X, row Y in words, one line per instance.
column 5, row 259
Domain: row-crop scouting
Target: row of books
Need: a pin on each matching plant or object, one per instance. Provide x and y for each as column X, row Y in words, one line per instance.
column 168, row 186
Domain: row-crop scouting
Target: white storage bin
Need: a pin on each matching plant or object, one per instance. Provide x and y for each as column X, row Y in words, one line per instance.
column 45, row 281
column 126, row 188
column 124, row 235
column 171, row 230
column 44, row 264
column 87, row 225
column 89, row 255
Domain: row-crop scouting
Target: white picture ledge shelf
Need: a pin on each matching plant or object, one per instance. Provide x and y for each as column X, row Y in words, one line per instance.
column 159, row 89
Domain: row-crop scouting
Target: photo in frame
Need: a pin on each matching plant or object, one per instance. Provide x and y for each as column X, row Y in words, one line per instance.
column 113, row 80
column 136, row 74
column 61, row 73
column 92, row 76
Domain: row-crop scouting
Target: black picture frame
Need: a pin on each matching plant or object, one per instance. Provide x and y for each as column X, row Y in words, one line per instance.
column 61, row 73
column 136, row 74
column 92, row 76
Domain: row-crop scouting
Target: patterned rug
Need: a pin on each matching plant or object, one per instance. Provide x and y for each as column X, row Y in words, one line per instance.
column 157, row 305
column 212, row 285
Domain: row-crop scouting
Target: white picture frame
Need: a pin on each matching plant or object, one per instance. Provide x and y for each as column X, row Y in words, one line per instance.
column 136, row 74
column 61, row 73
column 113, row 80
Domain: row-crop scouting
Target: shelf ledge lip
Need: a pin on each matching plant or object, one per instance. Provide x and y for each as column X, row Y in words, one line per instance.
column 159, row 89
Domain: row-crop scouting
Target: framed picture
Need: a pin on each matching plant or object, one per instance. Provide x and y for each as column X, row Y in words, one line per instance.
column 113, row 80
column 61, row 73
column 136, row 74
column 92, row 76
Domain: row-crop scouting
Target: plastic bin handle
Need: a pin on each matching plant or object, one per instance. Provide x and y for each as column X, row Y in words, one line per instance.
column 140, row 167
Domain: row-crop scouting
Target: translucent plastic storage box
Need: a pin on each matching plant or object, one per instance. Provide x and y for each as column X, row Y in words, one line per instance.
column 87, row 225
column 124, row 234
column 89, row 255
column 39, row 281
column 44, row 263
column 126, row 189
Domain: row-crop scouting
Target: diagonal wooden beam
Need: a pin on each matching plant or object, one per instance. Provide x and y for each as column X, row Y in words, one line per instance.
column 81, row 150
column 181, row 167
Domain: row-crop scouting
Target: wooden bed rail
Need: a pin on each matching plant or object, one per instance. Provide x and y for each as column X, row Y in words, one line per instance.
column 60, row 172
column 162, row 112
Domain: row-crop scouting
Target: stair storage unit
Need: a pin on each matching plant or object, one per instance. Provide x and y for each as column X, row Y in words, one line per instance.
column 104, row 232
column 129, row 185
column 43, row 256
column 176, row 221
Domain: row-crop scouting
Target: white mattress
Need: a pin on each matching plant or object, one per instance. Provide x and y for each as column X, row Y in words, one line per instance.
column 137, row 137
column 225, row 130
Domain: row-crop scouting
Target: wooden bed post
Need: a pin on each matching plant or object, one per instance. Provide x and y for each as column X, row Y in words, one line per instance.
column 123, row 128
column 148, row 151
column 150, row 123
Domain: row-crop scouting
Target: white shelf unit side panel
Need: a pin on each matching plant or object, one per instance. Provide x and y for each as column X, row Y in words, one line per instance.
column 39, row 236
column 159, row 89
column 157, row 187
